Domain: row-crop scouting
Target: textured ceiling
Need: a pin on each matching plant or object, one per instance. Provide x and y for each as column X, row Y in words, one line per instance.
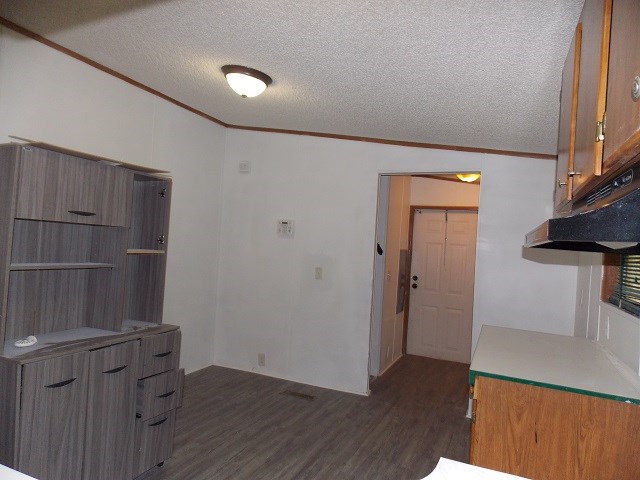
column 482, row 73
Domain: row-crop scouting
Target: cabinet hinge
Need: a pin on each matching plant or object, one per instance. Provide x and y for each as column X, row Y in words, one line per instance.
column 600, row 128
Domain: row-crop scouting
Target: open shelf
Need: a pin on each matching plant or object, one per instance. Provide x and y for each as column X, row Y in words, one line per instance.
column 59, row 266
column 144, row 251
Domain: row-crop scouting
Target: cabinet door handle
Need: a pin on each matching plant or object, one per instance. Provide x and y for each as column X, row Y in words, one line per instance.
column 60, row 384
column 165, row 395
column 82, row 213
column 160, row 355
column 159, row 423
column 116, row 370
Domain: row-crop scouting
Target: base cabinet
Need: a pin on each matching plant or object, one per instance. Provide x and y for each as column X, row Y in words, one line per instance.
column 542, row 433
column 111, row 413
column 88, row 415
column 53, row 417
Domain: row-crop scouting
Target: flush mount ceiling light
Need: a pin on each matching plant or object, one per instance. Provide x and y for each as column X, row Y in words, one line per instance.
column 468, row 177
column 246, row 81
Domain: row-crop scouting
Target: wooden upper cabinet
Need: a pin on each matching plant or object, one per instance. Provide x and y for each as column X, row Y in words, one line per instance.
column 567, row 126
column 62, row 188
column 594, row 58
column 622, row 136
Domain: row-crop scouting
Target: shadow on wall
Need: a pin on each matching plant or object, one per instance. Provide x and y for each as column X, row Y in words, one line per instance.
column 70, row 13
column 548, row 256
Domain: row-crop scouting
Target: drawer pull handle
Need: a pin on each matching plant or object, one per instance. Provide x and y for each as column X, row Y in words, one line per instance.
column 138, row 415
column 165, row 395
column 160, row 355
column 60, row 384
column 116, row 370
column 82, row 213
column 159, row 423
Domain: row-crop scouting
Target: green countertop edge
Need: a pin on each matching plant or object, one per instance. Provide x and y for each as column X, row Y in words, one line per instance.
column 473, row 374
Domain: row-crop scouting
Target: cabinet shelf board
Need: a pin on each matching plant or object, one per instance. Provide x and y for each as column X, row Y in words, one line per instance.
column 143, row 251
column 60, row 266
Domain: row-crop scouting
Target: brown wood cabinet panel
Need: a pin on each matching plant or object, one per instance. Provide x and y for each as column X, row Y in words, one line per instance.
column 154, row 439
column 111, row 413
column 567, row 126
column 594, row 57
column 159, row 394
column 58, row 187
column 53, row 417
column 622, row 137
column 548, row 434
column 159, row 353
column 608, row 440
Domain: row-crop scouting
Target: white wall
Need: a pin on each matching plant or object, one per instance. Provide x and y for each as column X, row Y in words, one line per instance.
column 433, row 192
column 611, row 327
column 397, row 239
column 48, row 96
column 318, row 331
column 313, row 331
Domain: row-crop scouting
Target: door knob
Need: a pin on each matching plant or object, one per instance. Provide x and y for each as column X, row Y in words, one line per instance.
column 414, row 285
column 414, row 278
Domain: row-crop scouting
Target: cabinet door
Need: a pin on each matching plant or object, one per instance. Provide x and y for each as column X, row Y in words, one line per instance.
column 150, row 213
column 542, row 433
column 594, row 58
column 567, row 127
column 52, row 417
column 524, row 430
column 57, row 187
column 111, row 413
column 622, row 136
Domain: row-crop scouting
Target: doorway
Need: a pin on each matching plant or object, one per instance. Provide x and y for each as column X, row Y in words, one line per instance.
column 395, row 330
column 443, row 250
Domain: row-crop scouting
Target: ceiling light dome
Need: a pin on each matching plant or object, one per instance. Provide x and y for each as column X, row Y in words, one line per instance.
column 246, row 81
column 468, row 177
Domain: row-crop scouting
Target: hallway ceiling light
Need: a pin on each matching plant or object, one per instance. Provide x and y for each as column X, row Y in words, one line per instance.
column 468, row 177
column 246, row 81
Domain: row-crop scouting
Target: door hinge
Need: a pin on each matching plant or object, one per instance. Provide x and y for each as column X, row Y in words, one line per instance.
column 600, row 128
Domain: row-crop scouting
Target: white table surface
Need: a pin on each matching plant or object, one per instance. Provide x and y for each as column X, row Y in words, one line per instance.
column 7, row 473
column 452, row 470
column 556, row 361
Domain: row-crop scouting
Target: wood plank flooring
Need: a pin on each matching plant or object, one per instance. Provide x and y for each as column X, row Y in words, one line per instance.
column 239, row 425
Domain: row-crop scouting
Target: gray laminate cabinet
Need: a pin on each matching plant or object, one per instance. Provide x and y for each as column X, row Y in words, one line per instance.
column 53, row 417
column 63, row 188
column 83, row 243
column 111, row 412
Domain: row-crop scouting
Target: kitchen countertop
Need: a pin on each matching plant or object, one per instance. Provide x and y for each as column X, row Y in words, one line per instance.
column 560, row 362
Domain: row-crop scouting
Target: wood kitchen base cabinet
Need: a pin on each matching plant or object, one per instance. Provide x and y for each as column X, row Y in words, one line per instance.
column 548, row 434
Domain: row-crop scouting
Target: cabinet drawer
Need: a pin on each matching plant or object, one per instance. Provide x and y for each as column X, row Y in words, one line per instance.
column 62, row 188
column 154, row 440
column 159, row 353
column 159, row 394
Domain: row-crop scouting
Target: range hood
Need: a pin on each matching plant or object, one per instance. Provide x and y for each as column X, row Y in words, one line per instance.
column 607, row 220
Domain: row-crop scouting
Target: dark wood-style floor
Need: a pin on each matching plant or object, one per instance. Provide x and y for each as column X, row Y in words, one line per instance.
column 238, row 425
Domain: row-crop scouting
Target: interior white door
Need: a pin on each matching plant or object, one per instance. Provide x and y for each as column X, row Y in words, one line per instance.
column 442, row 277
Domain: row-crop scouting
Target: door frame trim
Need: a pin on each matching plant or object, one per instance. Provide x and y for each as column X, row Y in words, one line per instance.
column 407, row 303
